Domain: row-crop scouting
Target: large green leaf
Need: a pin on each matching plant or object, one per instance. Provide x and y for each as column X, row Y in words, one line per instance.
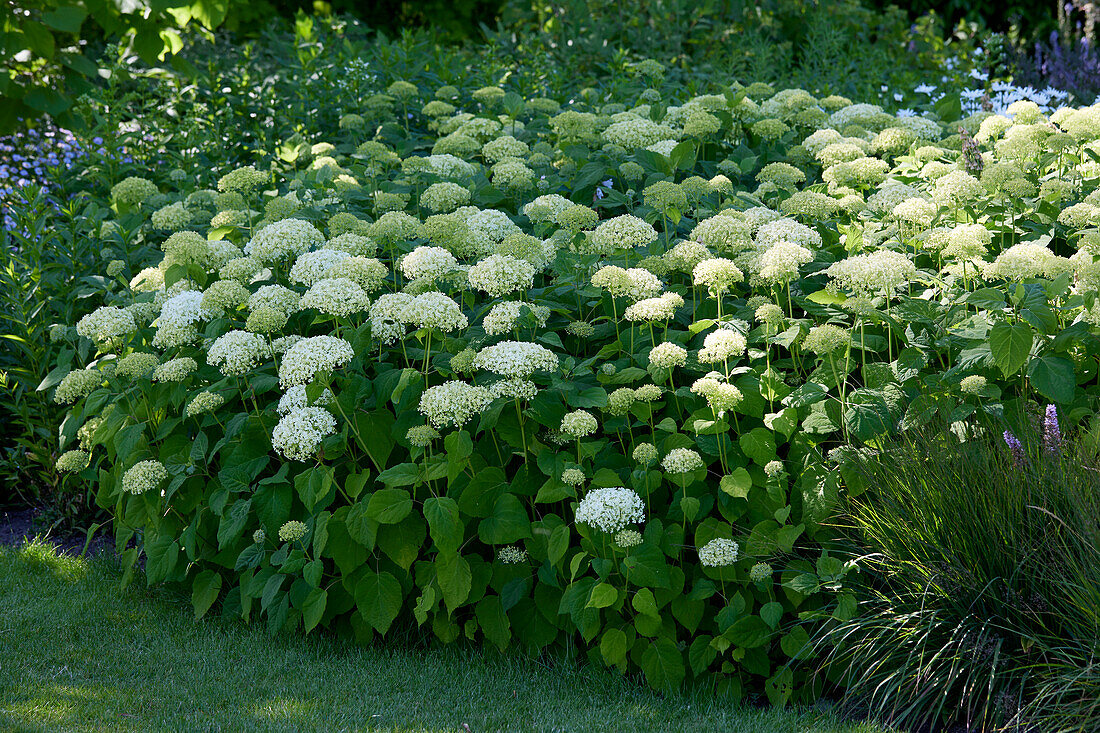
column 389, row 506
column 1010, row 345
column 663, row 664
column 378, row 597
column 204, row 591
column 1053, row 377
column 444, row 522
column 453, row 574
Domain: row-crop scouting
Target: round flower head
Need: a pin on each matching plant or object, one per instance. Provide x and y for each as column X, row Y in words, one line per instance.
column 175, row 370
column 628, row 538
column 106, row 324
column 301, row 431
column 974, row 384
column 292, row 531
column 367, row 273
column 718, row 553
column 77, row 385
column 143, row 476
column 645, row 453
column 172, row 217
column 648, row 393
column 667, row 355
column 353, row 244
column 385, row 321
column 307, row 357
column 433, row 310
column 662, row 308
column 517, row 359
column 723, row 234
column 622, row 232
column 682, row 460
column 578, row 424
column 581, row 329
column 717, row 275
column 826, row 339
column 259, row 536
column 313, row 266
column 779, row 263
column 241, row 180
column 135, row 365
column 760, row 572
column 572, row 476
column 512, row 555
column 428, row 263
column 620, row 401
column 73, row 461
column 133, row 191
column 275, row 296
column 204, row 402
column 878, row 273
column 499, row 275
column 773, row 468
column 237, row 352
column 445, row 196
column 720, row 345
column 610, row 509
column 421, row 435
column 336, row 296
column 283, row 240
column 241, row 269
column 453, row 403
column 265, row 320
column 224, row 295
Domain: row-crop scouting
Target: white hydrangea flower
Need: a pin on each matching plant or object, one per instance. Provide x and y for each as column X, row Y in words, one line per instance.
column 336, row 296
column 301, row 431
column 306, row 358
column 516, row 359
column 313, row 266
column 143, row 476
column 721, row 345
column 237, row 352
column 718, row 553
column 880, row 272
column 780, row 262
column 184, row 309
column 578, row 424
column 667, row 355
column 106, row 324
column 284, row 239
column 662, row 308
column 682, row 460
column 385, row 321
column 610, row 509
column 499, row 275
column 433, row 310
column 428, row 263
column 275, row 296
column 623, row 232
column 453, row 403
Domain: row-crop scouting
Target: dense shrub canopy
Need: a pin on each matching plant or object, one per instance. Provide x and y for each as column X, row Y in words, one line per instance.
column 534, row 372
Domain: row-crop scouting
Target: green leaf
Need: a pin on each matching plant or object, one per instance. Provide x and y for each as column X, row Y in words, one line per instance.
column 759, row 445
column 749, row 632
column 1053, row 377
column 378, row 597
column 493, row 621
column 453, row 574
column 67, row 18
column 663, row 664
column 205, row 591
column 233, row 522
column 603, row 595
column 771, row 612
column 508, row 522
column 796, row 644
column 389, row 506
column 1010, row 345
column 613, row 647
column 737, row 484
column 645, row 604
column 313, row 608
column 444, row 522
column 403, row 474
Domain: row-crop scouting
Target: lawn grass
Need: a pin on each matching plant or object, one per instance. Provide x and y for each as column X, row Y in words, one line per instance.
column 76, row 653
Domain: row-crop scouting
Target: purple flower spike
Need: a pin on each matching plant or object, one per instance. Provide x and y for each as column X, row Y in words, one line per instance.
column 1016, row 447
column 1052, row 433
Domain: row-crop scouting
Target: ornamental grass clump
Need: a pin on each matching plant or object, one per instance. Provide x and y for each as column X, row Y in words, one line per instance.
column 485, row 369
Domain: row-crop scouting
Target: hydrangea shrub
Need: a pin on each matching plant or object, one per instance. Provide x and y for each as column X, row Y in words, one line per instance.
column 541, row 378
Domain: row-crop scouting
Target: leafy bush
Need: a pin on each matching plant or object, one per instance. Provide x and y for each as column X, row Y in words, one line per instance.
column 571, row 377
column 987, row 607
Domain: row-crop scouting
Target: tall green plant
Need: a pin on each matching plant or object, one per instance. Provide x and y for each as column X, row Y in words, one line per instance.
column 985, row 605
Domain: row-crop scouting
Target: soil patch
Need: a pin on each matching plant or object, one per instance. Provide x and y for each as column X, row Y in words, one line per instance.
column 19, row 525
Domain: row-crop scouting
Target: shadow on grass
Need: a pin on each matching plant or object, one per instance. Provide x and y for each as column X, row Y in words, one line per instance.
column 76, row 653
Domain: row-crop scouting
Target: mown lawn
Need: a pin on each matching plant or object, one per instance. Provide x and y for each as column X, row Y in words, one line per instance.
column 76, row 653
